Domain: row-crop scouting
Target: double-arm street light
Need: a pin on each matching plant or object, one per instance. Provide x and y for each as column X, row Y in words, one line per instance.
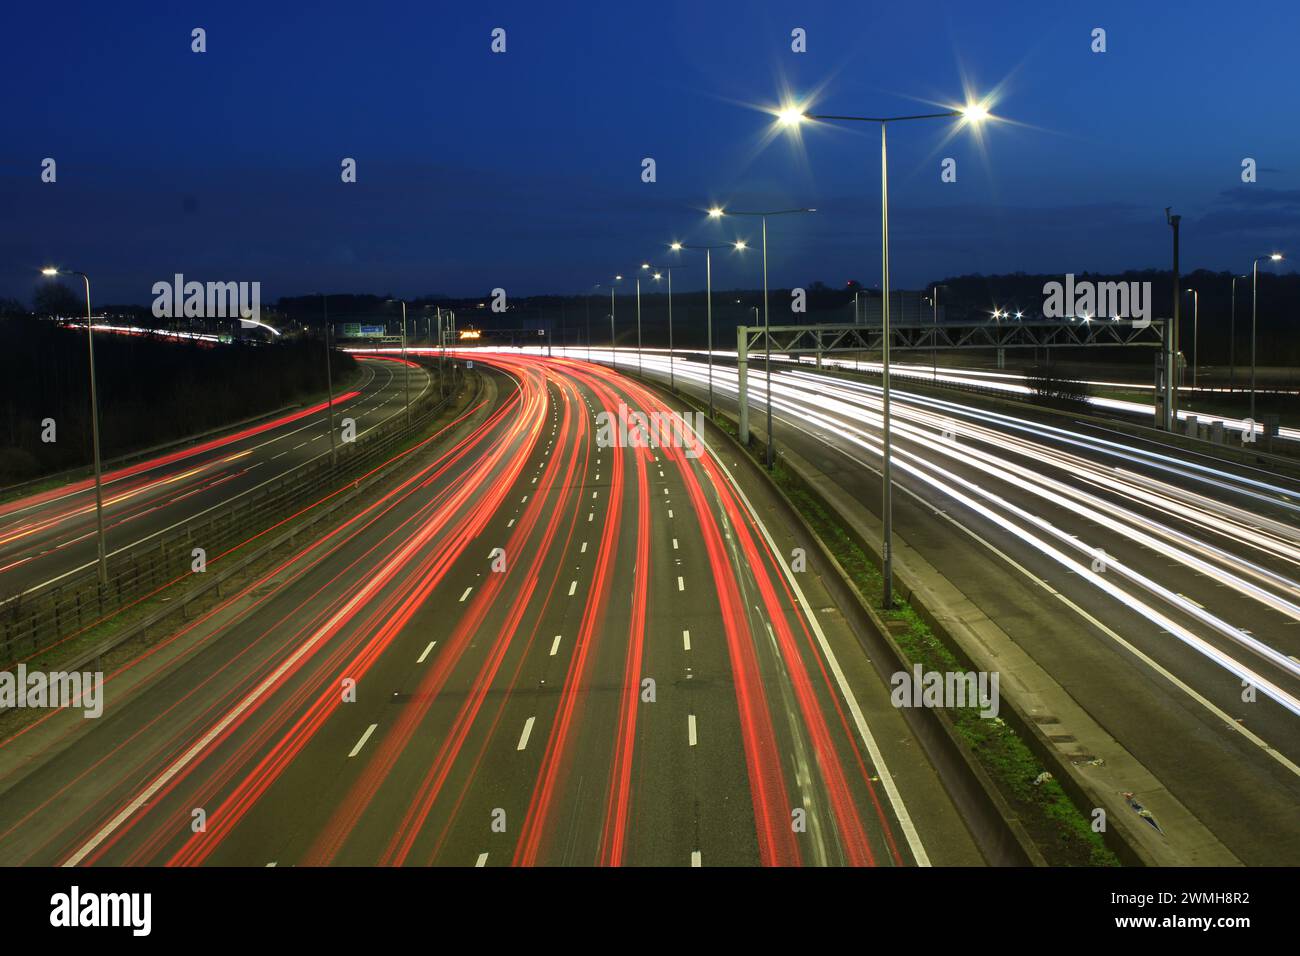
column 739, row 246
column 717, row 212
column 94, row 425
column 1254, row 289
column 973, row 113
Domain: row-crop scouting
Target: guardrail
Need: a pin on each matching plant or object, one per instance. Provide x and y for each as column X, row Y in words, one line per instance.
column 31, row 623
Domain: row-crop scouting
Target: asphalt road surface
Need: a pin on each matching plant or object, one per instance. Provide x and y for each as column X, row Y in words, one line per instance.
column 49, row 538
column 1159, row 587
column 533, row 649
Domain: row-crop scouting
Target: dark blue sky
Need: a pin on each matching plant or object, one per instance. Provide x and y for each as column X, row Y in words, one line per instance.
column 522, row 170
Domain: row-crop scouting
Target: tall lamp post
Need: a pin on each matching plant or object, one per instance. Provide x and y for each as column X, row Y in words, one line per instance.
column 739, row 246
column 718, row 212
column 329, row 376
column 1232, row 339
column 658, row 274
column 1254, row 289
column 406, row 369
column 613, row 350
column 646, row 267
column 101, row 544
column 1196, row 333
column 934, row 352
column 972, row 113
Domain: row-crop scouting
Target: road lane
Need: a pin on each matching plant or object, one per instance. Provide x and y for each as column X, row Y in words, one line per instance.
column 1159, row 589
column 49, row 538
column 472, row 731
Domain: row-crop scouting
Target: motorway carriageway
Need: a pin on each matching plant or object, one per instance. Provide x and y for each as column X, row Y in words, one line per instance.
column 1157, row 586
column 458, row 675
column 49, row 538
column 1012, row 383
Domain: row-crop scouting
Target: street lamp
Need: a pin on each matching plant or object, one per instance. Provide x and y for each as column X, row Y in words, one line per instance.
column 934, row 352
column 613, row 349
column 718, row 212
column 94, row 426
column 740, row 246
column 1196, row 332
column 406, row 369
column 972, row 113
column 329, row 377
column 672, row 382
column 645, row 267
column 1254, row 288
column 1232, row 339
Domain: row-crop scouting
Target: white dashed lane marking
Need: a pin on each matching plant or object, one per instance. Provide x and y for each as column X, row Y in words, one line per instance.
column 528, row 731
column 362, row 742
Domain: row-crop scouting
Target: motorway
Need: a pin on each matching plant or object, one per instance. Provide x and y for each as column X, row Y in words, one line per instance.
column 529, row 648
column 1159, row 587
column 48, row 539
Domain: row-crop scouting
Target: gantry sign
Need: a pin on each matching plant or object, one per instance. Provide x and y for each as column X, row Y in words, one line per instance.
column 819, row 339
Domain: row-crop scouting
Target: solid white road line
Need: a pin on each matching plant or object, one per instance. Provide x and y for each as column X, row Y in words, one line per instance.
column 860, row 722
column 362, row 742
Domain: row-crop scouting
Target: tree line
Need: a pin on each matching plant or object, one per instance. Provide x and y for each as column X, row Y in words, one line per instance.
column 151, row 390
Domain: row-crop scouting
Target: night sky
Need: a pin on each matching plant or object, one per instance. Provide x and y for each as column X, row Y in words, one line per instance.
column 523, row 169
